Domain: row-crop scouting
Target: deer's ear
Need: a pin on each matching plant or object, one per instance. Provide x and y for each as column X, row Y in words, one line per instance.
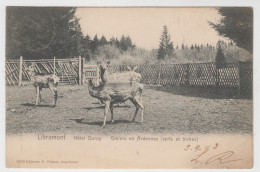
column 129, row 68
column 135, row 68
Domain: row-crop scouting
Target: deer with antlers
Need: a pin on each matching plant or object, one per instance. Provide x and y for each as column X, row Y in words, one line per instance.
column 43, row 81
column 111, row 92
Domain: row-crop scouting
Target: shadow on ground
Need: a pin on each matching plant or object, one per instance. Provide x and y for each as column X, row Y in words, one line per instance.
column 100, row 123
column 205, row 92
column 33, row 105
column 103, row 107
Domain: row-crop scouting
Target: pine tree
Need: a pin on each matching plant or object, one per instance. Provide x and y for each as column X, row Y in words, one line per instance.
column 182, row 46
column 236, row 24
column 166, row 46
column 103, row 40
column 220, row 58
column 94, row 44
column 128, row 42
column 42, row 32
column 117, row 43
column 86, row 47
column 112, row 41
column 122, row 43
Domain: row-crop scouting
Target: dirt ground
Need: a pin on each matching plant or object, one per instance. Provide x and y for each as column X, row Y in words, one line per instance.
column 168, row 110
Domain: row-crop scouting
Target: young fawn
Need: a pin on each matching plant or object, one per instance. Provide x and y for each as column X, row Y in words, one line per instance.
column 43, row 81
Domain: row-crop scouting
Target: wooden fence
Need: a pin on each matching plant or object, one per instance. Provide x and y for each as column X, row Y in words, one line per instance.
column 75, row 71
column 69, row 70
column 228, row 75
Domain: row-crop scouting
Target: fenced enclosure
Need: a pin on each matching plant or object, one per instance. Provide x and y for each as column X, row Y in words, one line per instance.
column 228, row 75
column 75, row 71
column 69, row 70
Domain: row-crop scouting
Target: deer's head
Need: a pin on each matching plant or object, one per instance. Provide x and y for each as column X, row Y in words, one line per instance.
column 30, row 70
column 103, row 70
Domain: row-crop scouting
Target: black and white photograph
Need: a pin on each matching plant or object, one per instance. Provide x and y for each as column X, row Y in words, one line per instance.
column 121, row 87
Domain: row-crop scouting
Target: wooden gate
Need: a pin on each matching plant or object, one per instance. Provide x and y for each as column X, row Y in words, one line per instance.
column 91, row 72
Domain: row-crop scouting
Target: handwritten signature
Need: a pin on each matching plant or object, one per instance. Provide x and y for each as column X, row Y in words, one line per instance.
column 222, row 158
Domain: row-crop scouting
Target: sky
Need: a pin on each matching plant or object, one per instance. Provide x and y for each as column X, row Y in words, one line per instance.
column 145, row 25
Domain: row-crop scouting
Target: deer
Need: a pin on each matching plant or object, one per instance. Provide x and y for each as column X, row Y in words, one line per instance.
column 110, row 93
column 125, row 76
column 43, row 81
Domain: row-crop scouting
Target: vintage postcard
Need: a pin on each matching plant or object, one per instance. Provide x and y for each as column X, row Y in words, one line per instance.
column 129, row 87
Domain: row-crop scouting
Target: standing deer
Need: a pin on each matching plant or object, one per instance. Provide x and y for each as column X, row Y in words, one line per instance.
column 43, row 81
column 125, row 76
column 115, row 92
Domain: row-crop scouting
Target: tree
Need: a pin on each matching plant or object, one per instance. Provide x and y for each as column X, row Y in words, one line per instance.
column 42, row 32
column 166, row 46
column 112, row 41
column 236, row 24
column 103, row 40
column 94, row 44
column 220, row 58
column 128, row 42
column 122, row 43
column 86, row 47
column 125, row 43
column 195, row 47
column 182, row 46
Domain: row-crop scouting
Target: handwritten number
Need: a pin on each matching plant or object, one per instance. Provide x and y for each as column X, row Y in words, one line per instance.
column 187, row 147
column 197, row 148
column 215, row 147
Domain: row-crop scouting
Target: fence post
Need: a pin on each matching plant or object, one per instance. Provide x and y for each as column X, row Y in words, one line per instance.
column 83, row 72
column 80, row 71
column 54, row 68
column 20, row 71
column 97, row 72
column 187, row 74
column 239, row 79
column 217, row 74
column 159, row 75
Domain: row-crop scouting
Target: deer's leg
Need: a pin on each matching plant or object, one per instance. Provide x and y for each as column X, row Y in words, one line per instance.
column 107, row 104
column 137, row 101
column 136, row 110
column 140, row 103
column 112, row 113
column 55, row 94
column 40, row 96
column 37, row 95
